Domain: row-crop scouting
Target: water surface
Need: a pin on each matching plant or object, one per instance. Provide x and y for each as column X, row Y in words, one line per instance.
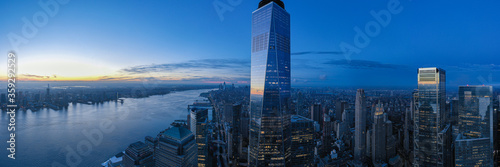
column 46, row 137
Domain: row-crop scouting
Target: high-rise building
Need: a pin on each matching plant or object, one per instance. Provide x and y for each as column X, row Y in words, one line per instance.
column 340, row 106
column 497, row 129
column 228, row 113
column 176, row 147
column 199, row 127
column 348, row 117
column 317, row 114
column 269, row 142
column 454, row 117
column 203, row 105
column 379, row 135
column 236, row 133
column 138, row 154
column 406, row 140
column 474, row 143
column 431, row 137
column 47, row 95
column 302, row 141
column 360, row 127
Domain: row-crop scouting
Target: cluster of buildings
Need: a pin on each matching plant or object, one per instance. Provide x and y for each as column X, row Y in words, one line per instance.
column 271, row 124
column 59, row 97
column 175, row 146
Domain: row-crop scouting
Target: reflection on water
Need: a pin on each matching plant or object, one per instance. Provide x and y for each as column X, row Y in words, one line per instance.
column 43, row 138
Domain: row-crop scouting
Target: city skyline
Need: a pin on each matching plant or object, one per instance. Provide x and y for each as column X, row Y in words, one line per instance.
column 66, row 48
column 266, row 83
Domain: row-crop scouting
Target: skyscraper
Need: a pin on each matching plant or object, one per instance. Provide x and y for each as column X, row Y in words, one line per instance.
column 138, row 154
column 474, row 143
column 379, row 133
column 360, row 133
column 199, row 127
column 269, row 143
column 317, row 114
column 302, row 141
column 176, row 147
column 236, row 133
column 431, row 131
column 339, row 109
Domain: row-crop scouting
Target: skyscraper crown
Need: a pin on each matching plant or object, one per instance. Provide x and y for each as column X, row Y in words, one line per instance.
column 265, row 2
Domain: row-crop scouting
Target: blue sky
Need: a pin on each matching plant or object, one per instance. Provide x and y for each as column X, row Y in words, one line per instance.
column 188, row 42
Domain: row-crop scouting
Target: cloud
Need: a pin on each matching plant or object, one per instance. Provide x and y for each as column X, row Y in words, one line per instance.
column 363, row 64
column 165, row 79
column 193, row 65
column 322, row 77
column 474, row 67
column 317, row 53
column 31, row 76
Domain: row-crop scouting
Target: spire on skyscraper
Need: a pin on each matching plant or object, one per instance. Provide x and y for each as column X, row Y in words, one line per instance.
column 265, row 2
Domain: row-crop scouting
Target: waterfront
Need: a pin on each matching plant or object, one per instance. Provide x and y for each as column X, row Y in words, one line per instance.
column 43, row 138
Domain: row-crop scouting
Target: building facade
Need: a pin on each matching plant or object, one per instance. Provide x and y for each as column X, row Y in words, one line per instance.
column 379, row 135
column 360, row 133
column 316, row 114
column 176, row 147
column 302, row 141
column 431, row 137
column 138, row 154
column 474, row 143
column 269, row 142
column 199, row 126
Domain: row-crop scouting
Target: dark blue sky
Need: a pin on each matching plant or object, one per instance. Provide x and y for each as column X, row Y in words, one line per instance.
column 188, row 42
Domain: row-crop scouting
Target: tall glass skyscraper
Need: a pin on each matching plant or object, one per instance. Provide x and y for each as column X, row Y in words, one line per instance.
column 431, row 131
column 269, row 143
column 199, row 127
column 360, row 133
column 302, row 141
column 474, row 143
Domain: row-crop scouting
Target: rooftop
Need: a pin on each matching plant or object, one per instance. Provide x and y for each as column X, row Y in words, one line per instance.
column 177, row 133
column 265, row 2
column 298, row 118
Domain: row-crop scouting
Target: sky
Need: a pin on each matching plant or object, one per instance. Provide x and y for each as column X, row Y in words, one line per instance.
column 197, row 42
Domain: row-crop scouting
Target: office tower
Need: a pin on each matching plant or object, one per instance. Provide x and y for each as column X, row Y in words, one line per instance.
column 340, row 106
column 327, row 125
column 326, row 139
column 454, row 117
column 379, row 134
column 369, row 142
column 316, row 114
column 47, row 95
column 430, row 136
column 199, row 127
column 302, row 141
column 176, row 148
column 203, row 105
column 244, row 128
column 138, row 154
column 228, row 113
column 236, row 133
column 348, row 117
column 497, row 135
column 474, row 144
column 406, row 144
column 360, row 133
column 269, row 143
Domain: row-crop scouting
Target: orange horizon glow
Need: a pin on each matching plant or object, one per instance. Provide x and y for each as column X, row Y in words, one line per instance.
column 106, row 79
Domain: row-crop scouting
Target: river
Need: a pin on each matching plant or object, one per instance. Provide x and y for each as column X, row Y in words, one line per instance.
column 57, row 138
